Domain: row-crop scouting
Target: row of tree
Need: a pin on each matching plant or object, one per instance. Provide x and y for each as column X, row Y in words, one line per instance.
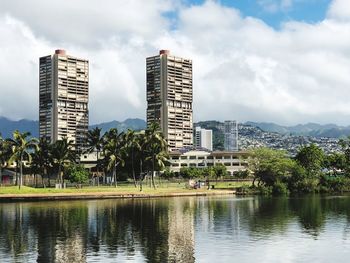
column 138, row 152
column 311, row 170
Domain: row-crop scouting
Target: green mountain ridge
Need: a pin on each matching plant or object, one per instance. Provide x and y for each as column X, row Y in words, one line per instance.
column 7, row 127
column 308, row 129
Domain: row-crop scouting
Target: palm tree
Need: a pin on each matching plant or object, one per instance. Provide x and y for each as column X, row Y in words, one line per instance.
column 62, row 153
column 41, row 159
column 156, row 144
column 142, row 144
column 132, row 146
column 95, row 143
column 5, row 154
column 21, row 146
column 113, row 151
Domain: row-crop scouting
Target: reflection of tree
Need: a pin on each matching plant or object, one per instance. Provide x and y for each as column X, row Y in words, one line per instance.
column 270, row 215
column 160, row 230
column 61, row 231
column 126, row 225
column 311, row 213
column 14, row 231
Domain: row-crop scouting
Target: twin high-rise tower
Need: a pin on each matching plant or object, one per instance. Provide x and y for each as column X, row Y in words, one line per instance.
column 169, row 97
column 63, row 98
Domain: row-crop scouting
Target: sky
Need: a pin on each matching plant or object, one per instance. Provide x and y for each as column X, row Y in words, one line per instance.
column 283, row 61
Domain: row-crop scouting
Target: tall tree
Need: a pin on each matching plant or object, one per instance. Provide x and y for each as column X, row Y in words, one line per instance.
column 41, row 159
column 95, row 143
column 156, row 144
column 132, row 146
column 312, row 158
column 345, row 146
column 270, row 166
column 21, row 146
column 62, row 153
column 113, row 151
column 5, row 154
column 142, row 144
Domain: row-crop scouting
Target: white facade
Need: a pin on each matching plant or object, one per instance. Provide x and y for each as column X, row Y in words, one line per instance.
column 204, row 138
column 63, row 98
column 231, row 136
column 169, row 97
column 234, row 161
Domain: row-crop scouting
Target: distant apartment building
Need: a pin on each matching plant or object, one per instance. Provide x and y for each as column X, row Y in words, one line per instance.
column 231, row 136
column 203, row 138
column 63, row 98
column 169, row 97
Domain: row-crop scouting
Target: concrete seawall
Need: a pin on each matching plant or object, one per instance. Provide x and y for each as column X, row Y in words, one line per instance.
column 105, row 195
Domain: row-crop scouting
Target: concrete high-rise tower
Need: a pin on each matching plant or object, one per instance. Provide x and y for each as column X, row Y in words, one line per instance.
column 231, row 135
column 63, row 98
column 204, row 138
column 169, row 97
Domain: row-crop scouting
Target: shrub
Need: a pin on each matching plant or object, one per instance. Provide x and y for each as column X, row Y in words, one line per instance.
column 334, row 183
column 77, row 174
column 280, row 188
column 264, row 190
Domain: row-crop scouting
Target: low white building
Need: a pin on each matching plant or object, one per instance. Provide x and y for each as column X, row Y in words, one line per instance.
column 200, row 158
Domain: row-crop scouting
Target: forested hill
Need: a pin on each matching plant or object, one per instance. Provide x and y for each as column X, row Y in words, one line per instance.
column 7, row 127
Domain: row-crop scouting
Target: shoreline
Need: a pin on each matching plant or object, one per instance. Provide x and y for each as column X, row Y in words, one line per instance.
column 105, row 195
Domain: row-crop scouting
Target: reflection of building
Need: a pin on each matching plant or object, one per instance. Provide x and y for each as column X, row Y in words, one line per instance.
column 169, row 97
column 181, row 231
column 204, row 138
column 231, row 136
column 72, row 249
column 234, row 161
column 63, row 98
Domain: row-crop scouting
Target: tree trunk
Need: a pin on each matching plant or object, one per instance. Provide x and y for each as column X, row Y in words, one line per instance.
column 21, row 172
column 0, row 176
column 59, row 177
column 43, row 176
column 253, row 184
column 36, row 180
column 49, row 179
column 133, row 168
column 115, row 176
column 141, row 179
column 16, row 183
column 153, row 169
column 98, row 175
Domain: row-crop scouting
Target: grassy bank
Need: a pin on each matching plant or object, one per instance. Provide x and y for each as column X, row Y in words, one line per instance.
column 163, row 187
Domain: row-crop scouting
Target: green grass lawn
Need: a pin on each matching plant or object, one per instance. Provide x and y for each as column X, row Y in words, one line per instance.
column 123, row 188
column 230, row 185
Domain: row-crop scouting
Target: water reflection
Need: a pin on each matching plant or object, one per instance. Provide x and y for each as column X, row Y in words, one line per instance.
column 171, row 230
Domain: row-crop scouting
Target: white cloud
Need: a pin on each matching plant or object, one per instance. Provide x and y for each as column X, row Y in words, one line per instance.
column 340, row 10
column 274, row 6
column 243, row 69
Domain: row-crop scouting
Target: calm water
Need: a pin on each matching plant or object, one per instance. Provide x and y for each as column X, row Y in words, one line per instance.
column 191, row 229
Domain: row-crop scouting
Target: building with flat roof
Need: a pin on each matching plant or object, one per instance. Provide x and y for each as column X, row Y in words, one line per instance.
column 169, row 97
column 203, row 138
column 63, row 98
column 201, row 158
column 231, row 136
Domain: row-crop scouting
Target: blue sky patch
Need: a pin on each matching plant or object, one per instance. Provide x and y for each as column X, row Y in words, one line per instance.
column 276, row 12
